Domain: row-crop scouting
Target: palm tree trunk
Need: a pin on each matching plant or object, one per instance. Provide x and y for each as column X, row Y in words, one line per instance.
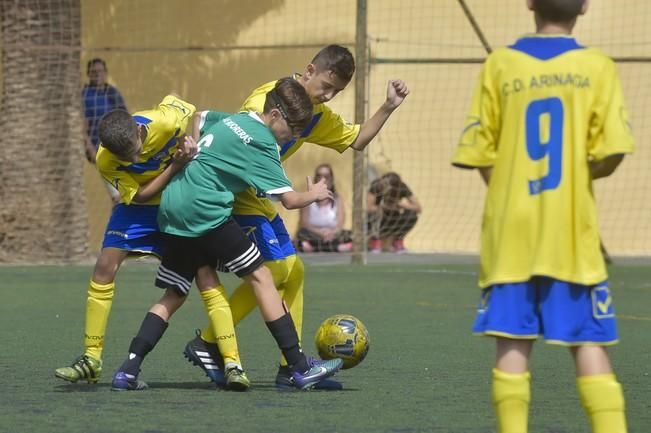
column 43, row 215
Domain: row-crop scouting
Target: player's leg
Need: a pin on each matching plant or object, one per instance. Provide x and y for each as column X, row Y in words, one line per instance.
column 305, row 372
column 575, row 314
column 601, row 394
column 175, row 274
column 242, row 257
column 130, row 229
column 99, row 300
column 242, row 301
column 221, row 324
column 202, row 351
column 291, row 290
column 511, row 385
column 509, row 313
column 151, row 331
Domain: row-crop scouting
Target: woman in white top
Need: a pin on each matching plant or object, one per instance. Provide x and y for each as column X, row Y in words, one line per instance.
column 321, row 223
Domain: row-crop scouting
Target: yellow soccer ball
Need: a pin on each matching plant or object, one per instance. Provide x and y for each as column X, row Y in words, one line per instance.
column 342, row 336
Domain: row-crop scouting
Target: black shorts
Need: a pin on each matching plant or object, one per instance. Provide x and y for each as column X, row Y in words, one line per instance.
column 226, row 246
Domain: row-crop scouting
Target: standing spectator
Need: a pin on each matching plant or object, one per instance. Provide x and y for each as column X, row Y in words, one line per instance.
column 98, row 98
column 321, row 224
column 392, row 212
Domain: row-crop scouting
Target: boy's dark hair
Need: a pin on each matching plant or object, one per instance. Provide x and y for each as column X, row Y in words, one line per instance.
column 118, row 133
column 93, row 61
column 291, row 99
column 558, row 11
column 336, row 59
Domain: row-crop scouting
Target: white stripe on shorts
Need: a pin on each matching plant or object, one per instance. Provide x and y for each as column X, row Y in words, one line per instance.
column 173, row 278
column 248, row 263
column 244, row 260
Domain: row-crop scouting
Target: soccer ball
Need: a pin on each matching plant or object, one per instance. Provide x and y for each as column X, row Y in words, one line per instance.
column 342, row 336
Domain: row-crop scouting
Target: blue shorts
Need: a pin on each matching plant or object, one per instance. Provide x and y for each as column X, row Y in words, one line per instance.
column 563, row 313
column 134, row 228
column 271, row 237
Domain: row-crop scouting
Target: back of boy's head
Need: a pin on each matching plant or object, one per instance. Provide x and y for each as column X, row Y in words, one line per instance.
column 336, row 59
column 291, row 99
column 118, row 133
column 558, row 11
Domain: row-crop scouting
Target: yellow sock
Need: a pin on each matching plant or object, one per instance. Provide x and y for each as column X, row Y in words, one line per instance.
column 603, row 401
column 511, row 395
column 98, row 308
column 243, row 299
column 221, row 320
column 293, row 294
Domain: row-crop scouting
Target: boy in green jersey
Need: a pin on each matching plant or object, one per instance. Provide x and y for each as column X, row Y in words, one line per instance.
column 235, row 152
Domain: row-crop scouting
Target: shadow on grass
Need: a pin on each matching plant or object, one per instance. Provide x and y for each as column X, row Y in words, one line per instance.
column 209, row 386
column 86, row 387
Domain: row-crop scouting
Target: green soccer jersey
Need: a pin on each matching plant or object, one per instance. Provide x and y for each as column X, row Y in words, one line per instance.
column 236, row 151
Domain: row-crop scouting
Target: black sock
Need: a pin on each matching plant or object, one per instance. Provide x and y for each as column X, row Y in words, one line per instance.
column 151, row 330
column 284, row 331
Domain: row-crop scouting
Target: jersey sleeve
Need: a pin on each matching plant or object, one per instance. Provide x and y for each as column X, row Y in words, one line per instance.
column 267, row 174
column 477, row 146
column 176, row 114
column 113, row 172
column 332, row 131
column 209, row 118
column 610, row 129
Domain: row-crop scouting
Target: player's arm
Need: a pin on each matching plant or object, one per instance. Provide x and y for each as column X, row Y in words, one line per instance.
column 610, row 131
column 202, row 120
column 315, row 192
column 197, row 121
column 185, row 152
column 606, row 166
column 397, row 91
column 485, row 173
column 477, row 147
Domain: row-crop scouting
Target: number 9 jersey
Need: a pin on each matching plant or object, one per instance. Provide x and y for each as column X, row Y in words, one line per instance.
column 543, row 109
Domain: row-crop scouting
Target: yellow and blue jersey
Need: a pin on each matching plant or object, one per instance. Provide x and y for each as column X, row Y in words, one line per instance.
column 165, row 124
column 543, row 108
column 327, row 129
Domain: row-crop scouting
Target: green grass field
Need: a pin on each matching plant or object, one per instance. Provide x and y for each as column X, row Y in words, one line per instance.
column 425, row 372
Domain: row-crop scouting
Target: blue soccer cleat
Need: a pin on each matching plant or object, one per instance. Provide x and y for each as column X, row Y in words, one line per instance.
column 207, row 357
column 319, row 370
column 284, row 382
column 127, row 382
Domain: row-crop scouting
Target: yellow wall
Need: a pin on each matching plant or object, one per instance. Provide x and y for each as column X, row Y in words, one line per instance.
column 187, row 47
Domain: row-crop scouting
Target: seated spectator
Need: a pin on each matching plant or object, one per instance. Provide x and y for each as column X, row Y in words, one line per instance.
column 392, row 212
column 321, row 223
